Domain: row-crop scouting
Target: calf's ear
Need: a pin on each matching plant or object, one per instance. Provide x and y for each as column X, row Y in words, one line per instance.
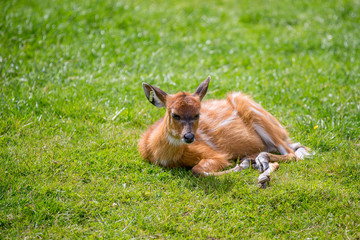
column 202, row 88
column 155, row 95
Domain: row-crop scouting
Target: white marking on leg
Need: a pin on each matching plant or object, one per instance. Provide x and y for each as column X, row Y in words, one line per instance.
column 301, row 153
column 282, row 150
column 245, row 164
column 300, row 150
column 264, row 178
column 294, row 146
column 264, row 136
column 262, row 161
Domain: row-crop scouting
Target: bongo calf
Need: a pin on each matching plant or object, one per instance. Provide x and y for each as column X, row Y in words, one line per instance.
column 209, row 136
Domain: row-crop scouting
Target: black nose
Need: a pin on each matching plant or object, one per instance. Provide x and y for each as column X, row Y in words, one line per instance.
column 189, row 137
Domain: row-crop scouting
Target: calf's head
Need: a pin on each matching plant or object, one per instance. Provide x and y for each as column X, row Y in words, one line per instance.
column 182, row 110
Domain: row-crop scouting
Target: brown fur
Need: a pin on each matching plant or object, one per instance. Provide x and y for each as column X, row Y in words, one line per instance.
column 227, row 130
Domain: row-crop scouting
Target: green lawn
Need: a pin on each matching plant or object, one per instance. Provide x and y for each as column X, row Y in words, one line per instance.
column 72, row 110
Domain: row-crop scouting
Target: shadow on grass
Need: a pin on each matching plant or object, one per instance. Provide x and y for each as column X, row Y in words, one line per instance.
column 209, row 185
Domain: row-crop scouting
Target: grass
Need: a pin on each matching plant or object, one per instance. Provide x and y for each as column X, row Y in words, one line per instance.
column 73, row 109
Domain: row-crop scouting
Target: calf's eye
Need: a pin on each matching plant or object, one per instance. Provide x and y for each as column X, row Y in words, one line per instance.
column 175, row 116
